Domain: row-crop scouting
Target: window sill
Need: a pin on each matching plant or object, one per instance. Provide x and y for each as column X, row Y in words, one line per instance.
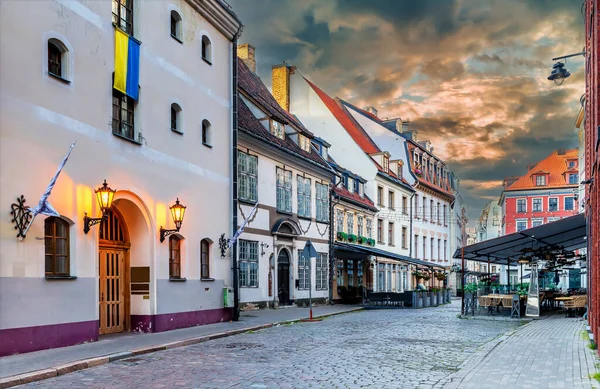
column 177, row 131
column 56, row 278
column 127, row 139
column 176, row 38
column 179, row 279
column 323, row 221
column 248, row 202
column 59, row 78
column 207, row 145
column 391, row 245
column 248, row 286
column 207, row 61
column 305, row 218
column 285, row 212
column 207, row 279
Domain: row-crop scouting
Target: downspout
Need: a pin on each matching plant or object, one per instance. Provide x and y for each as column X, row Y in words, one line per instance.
column 332, row 268
column 234, row 184
column 410, row 228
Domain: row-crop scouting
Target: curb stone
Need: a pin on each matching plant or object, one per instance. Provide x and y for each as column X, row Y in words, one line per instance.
column 70, row 367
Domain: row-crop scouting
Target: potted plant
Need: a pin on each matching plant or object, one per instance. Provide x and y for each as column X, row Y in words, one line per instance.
column 426, row 276
column 371, row 242
column 418, row 172
column 361, row 240
column 470, row 290
column 352, row 238
column 417, row 274
column 434, row 296
column 342, row 236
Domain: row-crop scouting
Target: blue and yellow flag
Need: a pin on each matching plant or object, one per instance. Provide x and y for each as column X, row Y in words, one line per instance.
column 127, row 64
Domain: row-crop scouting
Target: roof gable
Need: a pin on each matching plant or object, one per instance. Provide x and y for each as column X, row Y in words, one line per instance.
column 554, row 166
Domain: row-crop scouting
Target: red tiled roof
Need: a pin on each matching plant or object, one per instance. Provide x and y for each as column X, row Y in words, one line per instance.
column 253, row 86
column 247, row 122
column 347, row 121
column 445, row 185
column 555, row 166
column 355, row 197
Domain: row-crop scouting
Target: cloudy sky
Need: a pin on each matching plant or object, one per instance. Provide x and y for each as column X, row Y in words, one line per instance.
column 470, row 75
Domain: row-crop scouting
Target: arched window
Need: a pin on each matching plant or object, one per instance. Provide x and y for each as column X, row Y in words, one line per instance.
column 206, row 49
column 174, row 257
column 206, row 133
column 204, row 259
column 57, row 59
column 176, row 26
column 176, row 118
column 56, row 234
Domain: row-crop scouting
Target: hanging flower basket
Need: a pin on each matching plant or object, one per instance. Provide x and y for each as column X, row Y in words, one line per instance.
column 418, row 275
column 342, row 236
column 440, row 276
column 418, row 172
column 362, row 240
column 371, row 242
column 352, row 238
column 426, row 277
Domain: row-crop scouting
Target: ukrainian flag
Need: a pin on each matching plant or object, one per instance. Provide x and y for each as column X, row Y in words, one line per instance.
column 127, row 64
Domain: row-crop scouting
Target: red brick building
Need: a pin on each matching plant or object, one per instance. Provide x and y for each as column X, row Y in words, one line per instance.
column 547, row 192
column 592, row 163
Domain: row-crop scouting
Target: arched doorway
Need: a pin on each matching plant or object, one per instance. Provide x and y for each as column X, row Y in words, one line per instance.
column 113, row 269
column 283, row 277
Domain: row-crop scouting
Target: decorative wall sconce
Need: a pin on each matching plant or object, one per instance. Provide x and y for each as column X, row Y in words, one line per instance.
column 263, row 246
column 223, row 244
column 177, row 213
column 21, row 216
column 104, row 195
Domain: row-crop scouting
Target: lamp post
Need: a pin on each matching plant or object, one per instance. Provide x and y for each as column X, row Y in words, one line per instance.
column 177, row 213
column 104, row 195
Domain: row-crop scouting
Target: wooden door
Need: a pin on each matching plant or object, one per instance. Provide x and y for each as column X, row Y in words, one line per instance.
column 283, row 283
column 112, row 285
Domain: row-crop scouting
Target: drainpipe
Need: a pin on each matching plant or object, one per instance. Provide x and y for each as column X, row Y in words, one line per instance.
column 410, row 228
column 332, row 268
column 234, row 139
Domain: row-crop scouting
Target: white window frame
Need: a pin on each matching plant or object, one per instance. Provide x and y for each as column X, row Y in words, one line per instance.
column 304, row 196
column 557, row 204
column 304, row 143
column 247, row 177
column 277, row 129
column 534, row 221
column 248, row 263
column 369, row 228
column 350, row 222
column 322, row 202
column 284, row 190
column 517, row 205
column 576, row 181
column 526, row 221
column 543, row 178
column 541, row 201
column 339, row 220
column 565, row 203
column 359, row 224
column 322, row 272
column 303, row 272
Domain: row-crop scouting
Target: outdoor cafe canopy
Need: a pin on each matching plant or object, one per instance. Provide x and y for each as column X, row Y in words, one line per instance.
column 567, row 234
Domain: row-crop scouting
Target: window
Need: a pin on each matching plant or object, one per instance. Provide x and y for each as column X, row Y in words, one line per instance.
column 540, row 180
column 537, row 222
column 277, row 129
column 357, row 187
column 350, row 223
column 431, row 211
column 359, row 274
column 303, row 271
column 359, row 220
column 380, row 230
column 391, row 200
column 424, row 247
column 304, row 192
column 400, row 174
column 339, row 220
column 537, row 205
column 416, row 246
column 381, row 277
column 571, row 164
column 123, row 115
column 174, row 256
column 432, row 240
column 56, row 242
column 370, row 228
column 405, row 205
column 340, row 272
column 386, row 164
column 521, row 225
column 437, row 210
column 404, row 238
column 439, row 247
column 416, row 206
column 204, row 259
column 248, row 266
column 388, row 271
column 445, row 250
column 284, row 190
column 206, row 50
column 176, row 118
column 122, row 15
column 58, row 59
column 176, row 26
column 380, row 196
column 322, row 272
column 569, row 204
column 391, row 233
column 322, row 202
column 573, row 178
column 553, row 204
column 350, row 184
column 424, row 205
column 445, row 211
column 304, row 143
column 350, row 271
column 361, row 189
column 206, row 133
column 247, row 177
column 522, row 205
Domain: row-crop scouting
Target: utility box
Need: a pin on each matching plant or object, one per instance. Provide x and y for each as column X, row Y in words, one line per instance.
column 228, row 297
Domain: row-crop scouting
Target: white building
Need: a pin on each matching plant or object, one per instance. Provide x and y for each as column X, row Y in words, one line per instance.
column 60, row 285
column 280, row 170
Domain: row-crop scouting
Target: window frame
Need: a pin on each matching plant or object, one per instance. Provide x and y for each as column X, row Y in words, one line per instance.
column 526, row 221
column 350, row 222
column 176, row 122
column 369, row 227
column 51, row 271
column 207, row 133
column 540, row 202
column 404, row 237
column 118, row 122
column 55, row 59
column 245, row 263
column 204, row 259
column 380, row 196
column 557, row 208
column 285, row 189
column 322, row 272
column 391, row 198
column 304, row 197
column 124, row 23
column 572, row 204
column 519, row 210
column 277, row 128
column 175, row 257
column 246, row 175
column 359, row 225
column 206, row 49
column 322, row 202
column 380, row 231
column 404, row 205
column 303, row 272
column 390, row 231
column 542, row 182
column 576, row 181
column 176, row 24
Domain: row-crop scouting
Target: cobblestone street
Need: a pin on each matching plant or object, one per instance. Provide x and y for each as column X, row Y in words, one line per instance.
column 367, row 349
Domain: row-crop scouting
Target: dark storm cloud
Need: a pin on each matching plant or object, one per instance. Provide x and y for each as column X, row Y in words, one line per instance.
column 469, row 74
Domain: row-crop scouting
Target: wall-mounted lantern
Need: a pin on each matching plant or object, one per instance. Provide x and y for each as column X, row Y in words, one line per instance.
column 177, row 213
column 105, row 196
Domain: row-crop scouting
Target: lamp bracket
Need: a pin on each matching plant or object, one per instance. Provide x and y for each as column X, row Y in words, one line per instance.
column 164, row 233
column 223, row 244
column 569, row 55
column 91, row 221
column 21, row 216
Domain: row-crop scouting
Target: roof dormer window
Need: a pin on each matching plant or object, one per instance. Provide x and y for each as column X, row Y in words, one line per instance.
column 386, row 164
column 361, row 189
column 277, row 129
column 572, row 164
column 400, row 174
column 350, row 185
column 540, row 180
column 304, row 143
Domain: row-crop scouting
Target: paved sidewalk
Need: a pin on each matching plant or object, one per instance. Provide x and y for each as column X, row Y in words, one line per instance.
column 49, row 363
column 546, row 354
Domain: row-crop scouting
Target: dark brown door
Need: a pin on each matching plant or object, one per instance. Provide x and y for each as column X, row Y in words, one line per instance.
column 283, row 277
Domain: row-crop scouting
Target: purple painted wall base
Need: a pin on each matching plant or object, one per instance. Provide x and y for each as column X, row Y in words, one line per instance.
column 172, row 321
column 28, row 339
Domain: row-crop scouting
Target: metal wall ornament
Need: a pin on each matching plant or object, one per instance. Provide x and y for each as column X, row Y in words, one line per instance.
column 177, row 213
column 223, row 245
column 21, row 216
column 104, row 195
column 263, row 246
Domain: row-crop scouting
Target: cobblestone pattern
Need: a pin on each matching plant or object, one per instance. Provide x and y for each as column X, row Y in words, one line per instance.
column 368, row 349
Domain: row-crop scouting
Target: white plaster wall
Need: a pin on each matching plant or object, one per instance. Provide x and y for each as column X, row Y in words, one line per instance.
column 41, row 116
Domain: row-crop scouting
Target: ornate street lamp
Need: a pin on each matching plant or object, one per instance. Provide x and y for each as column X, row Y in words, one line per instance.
column 177, row 213
column 559, row 73
column 105, row 196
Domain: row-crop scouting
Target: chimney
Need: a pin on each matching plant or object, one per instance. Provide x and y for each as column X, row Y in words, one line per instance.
column 246, row 53
column 561, row 151
column 281, row 83
column 372, row 110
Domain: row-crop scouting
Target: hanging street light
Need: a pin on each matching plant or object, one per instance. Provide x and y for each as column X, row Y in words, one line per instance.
column 105, row 196
column 559, row 73
column 177, row 213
